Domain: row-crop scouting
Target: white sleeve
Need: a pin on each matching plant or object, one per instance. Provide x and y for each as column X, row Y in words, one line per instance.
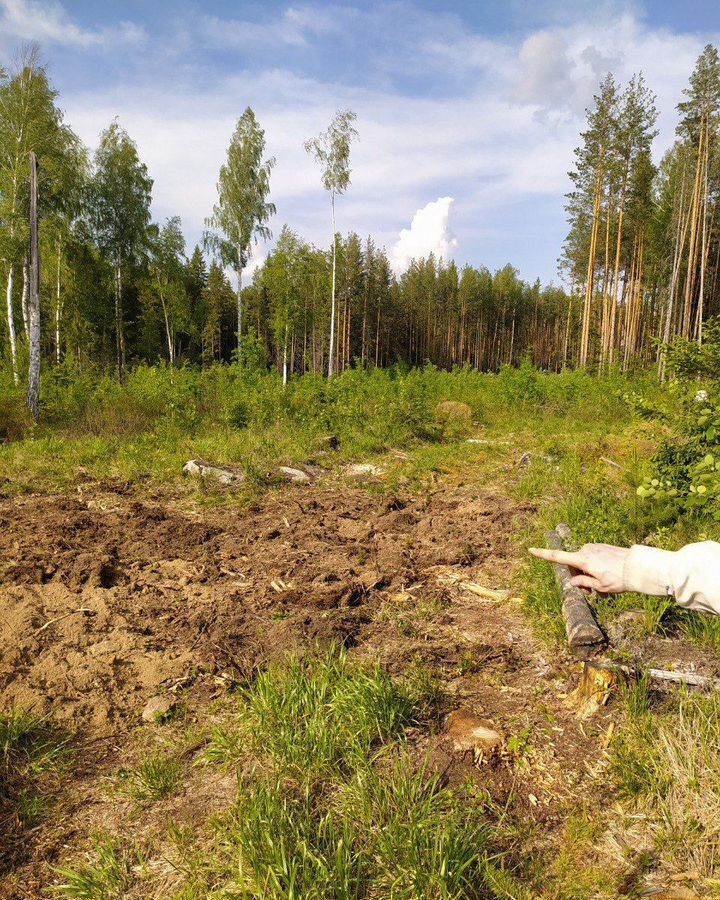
column 690, row 575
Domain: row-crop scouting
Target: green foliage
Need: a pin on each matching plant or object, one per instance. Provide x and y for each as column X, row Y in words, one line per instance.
column 686, row 468
column 685, row 359
column 15, row 418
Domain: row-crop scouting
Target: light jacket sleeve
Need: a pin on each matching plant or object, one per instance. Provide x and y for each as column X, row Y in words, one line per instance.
column 690, row 575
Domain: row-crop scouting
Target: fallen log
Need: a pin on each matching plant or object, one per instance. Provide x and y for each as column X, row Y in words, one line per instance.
column 584, row 635
column 691, row 679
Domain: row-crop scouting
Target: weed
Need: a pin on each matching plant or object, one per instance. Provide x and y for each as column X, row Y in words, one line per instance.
column 108, row 874
column 155, row 778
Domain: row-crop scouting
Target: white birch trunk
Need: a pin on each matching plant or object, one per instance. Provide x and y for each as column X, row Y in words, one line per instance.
column 331, row 357
column 24, row 300
column 11, row 325
column 285, row 356
column 58, row 308
column 239, row 300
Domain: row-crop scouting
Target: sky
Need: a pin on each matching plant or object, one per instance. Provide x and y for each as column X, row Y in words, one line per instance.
column 468, row 112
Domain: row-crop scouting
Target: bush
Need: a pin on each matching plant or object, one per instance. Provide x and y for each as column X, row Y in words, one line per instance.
column 686, row 469
column 686, row 359
column 15, row 418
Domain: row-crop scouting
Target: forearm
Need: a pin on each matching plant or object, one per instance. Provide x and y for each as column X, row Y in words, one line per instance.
column 690, row 575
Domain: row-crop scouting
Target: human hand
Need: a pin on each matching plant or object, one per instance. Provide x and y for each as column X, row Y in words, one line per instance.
column 600, row 566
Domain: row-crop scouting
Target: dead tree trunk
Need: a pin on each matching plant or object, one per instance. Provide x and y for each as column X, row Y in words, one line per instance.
column 33, row 394
column 583, row 633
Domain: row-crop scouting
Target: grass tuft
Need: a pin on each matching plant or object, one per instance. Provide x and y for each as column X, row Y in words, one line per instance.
column 155, row 778
column 313, row 713
column 109, row 872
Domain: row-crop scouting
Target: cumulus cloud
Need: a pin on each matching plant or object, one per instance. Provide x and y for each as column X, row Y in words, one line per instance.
column 429, row 232
column 47, row 21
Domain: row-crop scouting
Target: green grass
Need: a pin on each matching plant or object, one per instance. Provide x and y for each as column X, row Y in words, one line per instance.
column 150, row 425
column 108, row 873
column 669, row 763
column 314, row 713
column 34, row 754
column 30, row 742
column 156, row 777
column 336, row 805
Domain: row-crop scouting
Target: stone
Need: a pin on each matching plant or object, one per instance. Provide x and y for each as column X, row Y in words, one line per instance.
column 157, row 707
column 469, row 732
column 296, row 475
column 205, row 469
column 359, row 470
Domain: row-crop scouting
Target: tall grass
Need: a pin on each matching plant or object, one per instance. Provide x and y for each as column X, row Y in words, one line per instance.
column 670, row 763
column 148, row 425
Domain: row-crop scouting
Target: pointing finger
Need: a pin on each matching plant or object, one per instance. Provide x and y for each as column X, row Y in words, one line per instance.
column 557, row 556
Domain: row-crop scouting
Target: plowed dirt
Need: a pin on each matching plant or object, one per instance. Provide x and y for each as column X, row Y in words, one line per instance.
column 108, row 599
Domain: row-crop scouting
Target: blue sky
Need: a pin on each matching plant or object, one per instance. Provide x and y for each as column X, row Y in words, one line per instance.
column 467, row 112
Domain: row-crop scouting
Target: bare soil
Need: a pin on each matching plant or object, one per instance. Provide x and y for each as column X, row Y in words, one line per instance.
column 109, row 598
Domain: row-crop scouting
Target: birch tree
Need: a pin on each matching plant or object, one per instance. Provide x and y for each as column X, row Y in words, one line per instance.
column 241, row 214
column 331, row 150
column 119, row 213
column 30, row 122
column 166, row 270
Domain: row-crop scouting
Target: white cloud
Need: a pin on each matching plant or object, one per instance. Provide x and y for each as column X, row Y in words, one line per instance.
column 47, row 21
column 293, row 28
column 428, row 233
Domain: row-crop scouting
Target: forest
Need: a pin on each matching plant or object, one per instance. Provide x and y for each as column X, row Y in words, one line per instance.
column 115, row 288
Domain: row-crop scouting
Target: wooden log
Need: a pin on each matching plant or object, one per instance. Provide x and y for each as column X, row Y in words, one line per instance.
column 664, row 676
column 584, row 635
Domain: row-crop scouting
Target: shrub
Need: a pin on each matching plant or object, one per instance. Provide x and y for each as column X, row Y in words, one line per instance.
column 686, row 469
column 15, row 418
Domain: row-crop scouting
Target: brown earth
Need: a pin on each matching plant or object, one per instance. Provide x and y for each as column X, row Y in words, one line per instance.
column 107, row 600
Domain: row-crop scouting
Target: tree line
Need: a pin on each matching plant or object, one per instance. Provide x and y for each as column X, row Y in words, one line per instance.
column 117, row 288
column 641, row 257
